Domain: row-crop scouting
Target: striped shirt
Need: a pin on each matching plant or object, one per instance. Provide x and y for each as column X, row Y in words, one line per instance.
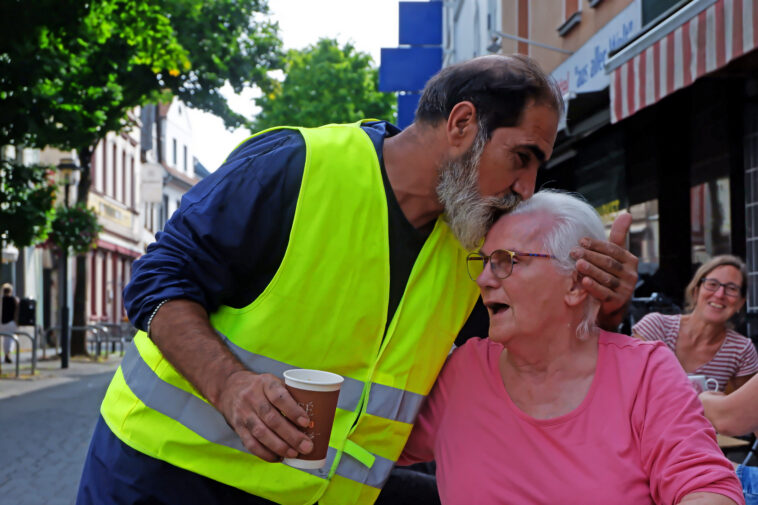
column 736, row 357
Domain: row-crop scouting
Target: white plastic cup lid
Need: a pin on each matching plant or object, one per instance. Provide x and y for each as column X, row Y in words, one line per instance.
column 313, row 380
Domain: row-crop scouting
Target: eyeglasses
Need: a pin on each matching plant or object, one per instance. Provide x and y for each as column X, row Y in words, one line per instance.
column 501, row 262
column 730, row 289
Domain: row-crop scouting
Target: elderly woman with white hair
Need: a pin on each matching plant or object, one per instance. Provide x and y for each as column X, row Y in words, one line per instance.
column 550, row 408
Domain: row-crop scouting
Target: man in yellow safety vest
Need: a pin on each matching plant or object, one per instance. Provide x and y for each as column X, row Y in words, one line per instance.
column 339, row 248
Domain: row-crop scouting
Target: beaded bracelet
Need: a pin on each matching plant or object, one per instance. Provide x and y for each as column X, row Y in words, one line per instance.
column 155, row 311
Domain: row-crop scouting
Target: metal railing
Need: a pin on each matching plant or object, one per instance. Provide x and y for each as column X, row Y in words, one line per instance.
column 47, row 341
column 33, row 340
column 100, row 338
column 114, row 336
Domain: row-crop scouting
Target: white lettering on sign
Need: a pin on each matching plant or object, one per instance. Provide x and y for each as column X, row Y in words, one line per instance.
column 584, row 70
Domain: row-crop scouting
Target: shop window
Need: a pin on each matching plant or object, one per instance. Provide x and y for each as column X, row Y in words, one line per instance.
column 710, row 220
column 644, row 237
column 572, row 16
column 656, row 10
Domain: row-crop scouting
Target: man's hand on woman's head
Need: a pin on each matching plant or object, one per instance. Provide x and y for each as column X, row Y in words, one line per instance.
column 609, row 271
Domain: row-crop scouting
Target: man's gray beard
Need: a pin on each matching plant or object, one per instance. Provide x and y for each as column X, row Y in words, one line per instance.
column 469, row 214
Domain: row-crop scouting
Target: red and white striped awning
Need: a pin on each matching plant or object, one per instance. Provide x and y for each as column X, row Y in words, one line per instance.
column 695, row 41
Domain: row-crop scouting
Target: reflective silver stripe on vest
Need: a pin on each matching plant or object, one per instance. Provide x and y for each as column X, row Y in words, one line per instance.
column 176, row 403
column 383, row 401
column 375, row 476
column 393, row 403
column 207, row 422
column 350, row 391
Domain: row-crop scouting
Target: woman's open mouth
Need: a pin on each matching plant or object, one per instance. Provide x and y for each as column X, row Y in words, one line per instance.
column 496, row 308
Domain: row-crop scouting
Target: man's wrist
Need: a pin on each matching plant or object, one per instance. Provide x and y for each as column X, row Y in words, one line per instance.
column 153, row 313
column 612, row 320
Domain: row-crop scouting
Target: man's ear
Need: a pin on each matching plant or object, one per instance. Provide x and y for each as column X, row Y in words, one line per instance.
column 462, row 126
column 576, row 294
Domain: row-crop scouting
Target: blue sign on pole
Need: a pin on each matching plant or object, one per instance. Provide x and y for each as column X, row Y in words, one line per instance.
column 406, row 108
column 408, row 68
column 420, row 23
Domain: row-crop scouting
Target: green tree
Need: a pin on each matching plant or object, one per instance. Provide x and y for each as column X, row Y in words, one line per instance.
column 72, row 71
column 26, row 199
column 325, row 83
column 69, row 82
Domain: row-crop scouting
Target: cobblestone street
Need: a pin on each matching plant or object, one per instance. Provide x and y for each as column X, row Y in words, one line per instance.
column 44, row 434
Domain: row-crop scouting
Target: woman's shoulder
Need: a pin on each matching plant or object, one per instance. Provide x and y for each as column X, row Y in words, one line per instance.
column 626, row 347
column 480, row 351
column 477, row 354
column 737, row 341
column 636, row 357
column 626, row 364
column 477, row 347
column 737, row 338
column 621, row 341
column 656, row 326
column 662, row 319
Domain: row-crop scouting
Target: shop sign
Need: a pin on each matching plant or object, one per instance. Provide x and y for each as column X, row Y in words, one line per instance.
column 609, row 211
column 584, row 70
column 110, row 212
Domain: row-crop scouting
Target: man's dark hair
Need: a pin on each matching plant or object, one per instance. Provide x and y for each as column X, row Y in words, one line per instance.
column 499, row 86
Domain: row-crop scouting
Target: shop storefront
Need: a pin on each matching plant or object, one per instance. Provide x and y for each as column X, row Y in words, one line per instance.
column 679, row 148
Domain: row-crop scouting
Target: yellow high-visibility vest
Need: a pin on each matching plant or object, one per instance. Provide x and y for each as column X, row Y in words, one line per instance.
column 325, row 308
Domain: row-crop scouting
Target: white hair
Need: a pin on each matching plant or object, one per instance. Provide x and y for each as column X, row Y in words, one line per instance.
column 572, row 218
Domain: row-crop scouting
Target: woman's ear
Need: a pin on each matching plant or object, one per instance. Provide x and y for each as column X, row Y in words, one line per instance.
column 576, row 294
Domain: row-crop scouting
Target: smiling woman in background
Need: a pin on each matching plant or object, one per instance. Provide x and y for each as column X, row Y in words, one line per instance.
column 703, row 340
column 550, row 408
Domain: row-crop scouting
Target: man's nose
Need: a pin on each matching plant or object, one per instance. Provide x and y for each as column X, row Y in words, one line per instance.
column 524, row 185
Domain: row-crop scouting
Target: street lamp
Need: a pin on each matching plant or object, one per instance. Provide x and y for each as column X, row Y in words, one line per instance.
column 68, row 172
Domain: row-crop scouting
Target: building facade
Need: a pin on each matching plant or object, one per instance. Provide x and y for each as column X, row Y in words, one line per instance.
column 661, row 120
column 168, row 164
column 114, row 195
column 138, row 177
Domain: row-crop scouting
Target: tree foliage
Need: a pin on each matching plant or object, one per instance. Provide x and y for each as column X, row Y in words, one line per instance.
column 70, row 71
column 26, row 198
column 325, row 83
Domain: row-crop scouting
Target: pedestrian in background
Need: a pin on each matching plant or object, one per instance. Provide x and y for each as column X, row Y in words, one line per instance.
column 323, row 248
column 8, row 318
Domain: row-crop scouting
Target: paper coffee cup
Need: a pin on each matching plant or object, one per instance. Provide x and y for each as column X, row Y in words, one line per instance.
column 316, row 392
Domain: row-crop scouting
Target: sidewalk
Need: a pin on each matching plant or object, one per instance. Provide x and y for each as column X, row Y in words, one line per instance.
column 49, row 372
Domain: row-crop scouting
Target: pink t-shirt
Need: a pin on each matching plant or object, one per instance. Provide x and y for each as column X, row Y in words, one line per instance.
column 735, row 358
column 638, row 437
